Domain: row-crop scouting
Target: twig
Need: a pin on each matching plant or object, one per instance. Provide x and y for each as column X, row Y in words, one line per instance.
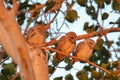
column 4, row 60
column 15, row 7
column 91, row 63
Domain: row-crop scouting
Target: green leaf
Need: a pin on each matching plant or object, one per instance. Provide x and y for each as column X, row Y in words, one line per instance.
column 106, row 66
column 99, row 44
column 69, row 77
column 51, row 69
column 109, row 43
column 68, row 67
column 94, row 15
column 90, row 10
column 49, row 5
column 82, row 75
column 5, row 72
column 107, row 2
column 114, row 64
column 86, row 25
column 71, row 16
column 100, row 3
column 24, row 5
column 115, row 5
column 20, row 19
column 97, row 1
column 87, row 28
column 9, row 68
column 55, row 61
column 105, row 16
column 18, row 78
column 82, row 3
column 67, row 60
column 58, row 78
column 4, row 78
column 97, row 75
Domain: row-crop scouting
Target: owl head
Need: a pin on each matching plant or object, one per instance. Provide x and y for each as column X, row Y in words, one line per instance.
column 72, row 36
column 91, row 43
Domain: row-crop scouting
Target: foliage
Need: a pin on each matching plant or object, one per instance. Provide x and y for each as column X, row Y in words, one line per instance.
column 96, row 10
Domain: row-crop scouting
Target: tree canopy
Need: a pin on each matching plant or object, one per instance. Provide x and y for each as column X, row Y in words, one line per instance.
column 95, row 19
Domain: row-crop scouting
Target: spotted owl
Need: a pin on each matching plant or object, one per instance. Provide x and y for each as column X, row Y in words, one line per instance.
column 84, row 49
column 66, row 44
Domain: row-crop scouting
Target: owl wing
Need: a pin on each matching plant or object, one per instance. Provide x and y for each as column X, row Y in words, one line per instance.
column 79, row 48
column 61, row 42
column 60, row 47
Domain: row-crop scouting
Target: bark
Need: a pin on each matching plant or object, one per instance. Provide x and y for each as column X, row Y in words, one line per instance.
column 15, row 45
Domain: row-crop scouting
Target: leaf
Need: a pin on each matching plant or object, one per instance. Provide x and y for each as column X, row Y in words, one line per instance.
column 94, row 15
column 51, row 69
column 97, row 75
column 24, row 5
column 101, row 5
column 107, row 2
column 4, row 78
column 58, row 78
column 99, row 44
column 115, row 5
column 86, row 25
column 109, row 43
column 87, row 28
column 55, row 60
column 5, row 72
column 106, row 66
column 90, row 10
column 82, row 2
column 82, row 75
column 67, row 60
column 68, row 67
column 69, row 77
column 71, row 16
column 49, row 5
column 18, row 78
column 105, row 16
column 9, row 68
column 20, row 19
column 114, row 64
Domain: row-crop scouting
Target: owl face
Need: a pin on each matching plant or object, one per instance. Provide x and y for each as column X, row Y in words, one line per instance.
column 36, row 36
column 71, row 36
column 91, row 43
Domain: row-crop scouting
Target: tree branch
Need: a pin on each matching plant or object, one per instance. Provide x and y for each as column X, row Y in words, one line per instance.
column 91, row 63
column 94, row 34
column 2, row 10
column 15, row 8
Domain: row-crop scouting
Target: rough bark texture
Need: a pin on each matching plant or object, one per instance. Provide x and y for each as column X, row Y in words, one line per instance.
column 15, row 45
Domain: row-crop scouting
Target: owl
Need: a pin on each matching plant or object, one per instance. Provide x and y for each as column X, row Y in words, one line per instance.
column 66, row 44
column 36, row 35
column 84, row 49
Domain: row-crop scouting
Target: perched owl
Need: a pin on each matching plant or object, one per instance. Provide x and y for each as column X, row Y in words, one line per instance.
column 84, row 49
column 66, row 44
column 36, row 35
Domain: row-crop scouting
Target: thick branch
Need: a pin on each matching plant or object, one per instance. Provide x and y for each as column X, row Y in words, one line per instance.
column 94, row 34
column 2, row 10
column 14, row 43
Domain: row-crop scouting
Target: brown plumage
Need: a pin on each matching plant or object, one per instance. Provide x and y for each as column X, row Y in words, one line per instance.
column 66, row 44
column 36, row 35
column 84, row 49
